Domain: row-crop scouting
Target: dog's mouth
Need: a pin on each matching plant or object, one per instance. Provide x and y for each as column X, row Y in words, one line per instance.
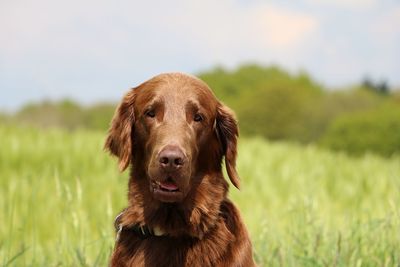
column 166, row 191
column 166, row 186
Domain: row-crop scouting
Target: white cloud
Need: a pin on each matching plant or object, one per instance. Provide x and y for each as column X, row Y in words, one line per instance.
column 220, row 26
column 226, row 32
column 283, row 28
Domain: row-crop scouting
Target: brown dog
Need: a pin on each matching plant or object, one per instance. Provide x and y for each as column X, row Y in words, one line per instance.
column 174, row 133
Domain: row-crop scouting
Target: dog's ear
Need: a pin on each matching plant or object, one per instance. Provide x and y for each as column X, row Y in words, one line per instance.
column 227, row 132
column 119, row 139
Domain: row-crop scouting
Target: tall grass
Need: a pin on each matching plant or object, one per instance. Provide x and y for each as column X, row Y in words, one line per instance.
column 59, row 193
column 307, row 207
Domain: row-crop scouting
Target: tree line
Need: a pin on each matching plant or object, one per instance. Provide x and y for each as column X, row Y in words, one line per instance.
column 272, row 103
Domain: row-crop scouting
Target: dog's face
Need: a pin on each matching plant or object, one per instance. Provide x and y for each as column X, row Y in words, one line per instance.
column 175, row 130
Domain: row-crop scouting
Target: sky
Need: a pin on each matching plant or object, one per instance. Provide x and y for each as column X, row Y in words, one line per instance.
column 95, row 50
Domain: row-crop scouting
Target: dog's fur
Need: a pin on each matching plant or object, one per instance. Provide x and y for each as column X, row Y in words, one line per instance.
column 174, row 133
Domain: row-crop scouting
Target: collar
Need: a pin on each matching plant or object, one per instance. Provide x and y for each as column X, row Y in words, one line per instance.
column 144, row 231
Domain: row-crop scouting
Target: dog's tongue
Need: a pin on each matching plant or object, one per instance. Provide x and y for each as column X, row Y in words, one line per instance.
column 168, row 186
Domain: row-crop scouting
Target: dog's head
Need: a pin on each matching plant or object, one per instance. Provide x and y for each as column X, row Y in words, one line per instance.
column 173, row 130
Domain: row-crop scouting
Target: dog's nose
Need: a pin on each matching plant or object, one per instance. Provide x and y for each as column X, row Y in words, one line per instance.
column 171, row 158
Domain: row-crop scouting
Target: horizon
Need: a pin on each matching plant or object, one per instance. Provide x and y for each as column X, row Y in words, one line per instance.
column 98, row 101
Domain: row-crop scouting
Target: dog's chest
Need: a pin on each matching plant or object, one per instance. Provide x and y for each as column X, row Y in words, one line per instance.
column 167, row 251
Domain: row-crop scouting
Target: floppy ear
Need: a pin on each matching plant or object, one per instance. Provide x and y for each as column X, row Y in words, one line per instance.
column 227, row 132
column 119, row 139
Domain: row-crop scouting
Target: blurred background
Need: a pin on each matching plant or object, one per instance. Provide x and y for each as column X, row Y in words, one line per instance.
column 312, row 71
column 316, row 71
column 315, row 85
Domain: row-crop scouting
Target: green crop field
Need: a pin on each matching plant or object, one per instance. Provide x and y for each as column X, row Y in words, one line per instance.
column 59, row 194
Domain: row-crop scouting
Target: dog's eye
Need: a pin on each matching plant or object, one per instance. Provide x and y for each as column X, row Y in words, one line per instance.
column 150, row 113
column 197, row 117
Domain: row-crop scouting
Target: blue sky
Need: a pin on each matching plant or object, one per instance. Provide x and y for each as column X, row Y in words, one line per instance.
column 96, row 50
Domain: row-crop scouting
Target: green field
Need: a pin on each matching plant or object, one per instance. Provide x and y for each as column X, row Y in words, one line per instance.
column 59, row 194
